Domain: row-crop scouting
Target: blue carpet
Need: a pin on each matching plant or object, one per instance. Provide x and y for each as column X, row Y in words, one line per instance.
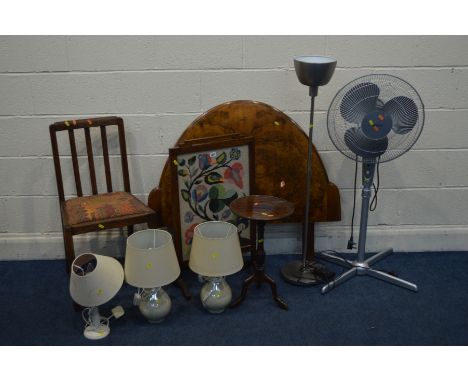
column 37, row 309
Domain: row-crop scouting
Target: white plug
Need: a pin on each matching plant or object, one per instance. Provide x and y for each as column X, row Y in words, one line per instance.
column 118, row 311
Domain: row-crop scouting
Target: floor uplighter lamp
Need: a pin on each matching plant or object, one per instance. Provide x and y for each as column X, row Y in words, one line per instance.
column 215, row 253
column 150, row 263
column 94, row 280
column 312, row 71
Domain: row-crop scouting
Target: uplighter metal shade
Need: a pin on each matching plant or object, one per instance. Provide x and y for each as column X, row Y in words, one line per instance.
column 150, row 259
column 95, row 286
column 314, row 70
column 215, row 249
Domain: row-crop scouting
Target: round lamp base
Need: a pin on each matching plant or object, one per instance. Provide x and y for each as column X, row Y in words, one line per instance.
column 313, row 273
column 155, row 304
column 96, row 333
column 215, row 311
column 156, row 321
column 215, row 295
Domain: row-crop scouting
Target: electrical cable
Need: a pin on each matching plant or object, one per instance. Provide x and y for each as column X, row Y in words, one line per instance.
column 373, row 203
column 334, row 253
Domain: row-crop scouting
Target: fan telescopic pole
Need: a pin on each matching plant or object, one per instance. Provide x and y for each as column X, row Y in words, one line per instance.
column 362, row 266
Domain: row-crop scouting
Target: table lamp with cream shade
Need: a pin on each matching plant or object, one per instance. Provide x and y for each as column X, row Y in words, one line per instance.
column 94, row 280
column 215, row 253
column 150, row 263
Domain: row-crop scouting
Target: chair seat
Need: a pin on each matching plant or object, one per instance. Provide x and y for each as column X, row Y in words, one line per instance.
column 95, row 208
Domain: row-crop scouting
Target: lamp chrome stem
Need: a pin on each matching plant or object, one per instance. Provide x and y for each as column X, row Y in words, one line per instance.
column 305, row 237
column 94, row 317
column 307, row 271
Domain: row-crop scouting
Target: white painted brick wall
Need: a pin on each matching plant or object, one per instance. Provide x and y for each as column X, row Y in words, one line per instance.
column 160, row 84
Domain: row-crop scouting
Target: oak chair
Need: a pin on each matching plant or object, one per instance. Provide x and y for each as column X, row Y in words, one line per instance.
column 99, row 211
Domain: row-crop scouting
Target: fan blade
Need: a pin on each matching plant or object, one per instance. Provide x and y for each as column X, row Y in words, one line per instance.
column 362, row 146
column 404, row 113
column 359, row 101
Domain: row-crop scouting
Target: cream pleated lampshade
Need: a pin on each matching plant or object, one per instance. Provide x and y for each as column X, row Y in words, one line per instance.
column 95, row 279
column 150, row 259
column 215, row 249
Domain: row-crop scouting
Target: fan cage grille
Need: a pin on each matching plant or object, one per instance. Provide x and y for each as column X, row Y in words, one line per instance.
column 390, row 87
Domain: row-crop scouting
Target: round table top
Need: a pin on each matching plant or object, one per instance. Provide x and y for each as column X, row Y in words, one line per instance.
column 262, row 207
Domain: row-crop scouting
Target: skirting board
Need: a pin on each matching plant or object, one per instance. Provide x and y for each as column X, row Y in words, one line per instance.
column 279, row 239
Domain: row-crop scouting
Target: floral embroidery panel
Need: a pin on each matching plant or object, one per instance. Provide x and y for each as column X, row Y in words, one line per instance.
column 208, row 183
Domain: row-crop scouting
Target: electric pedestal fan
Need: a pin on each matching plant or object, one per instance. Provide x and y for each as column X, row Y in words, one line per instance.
column 373, row 119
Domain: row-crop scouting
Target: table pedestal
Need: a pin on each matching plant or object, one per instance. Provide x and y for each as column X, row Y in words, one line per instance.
column 259, row 276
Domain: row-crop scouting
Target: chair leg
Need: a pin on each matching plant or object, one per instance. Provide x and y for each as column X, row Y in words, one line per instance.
column 130, row 230
column 69, row 248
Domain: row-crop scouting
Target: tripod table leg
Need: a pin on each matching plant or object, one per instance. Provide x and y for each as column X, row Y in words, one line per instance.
column 245, row 286
column 281, row 303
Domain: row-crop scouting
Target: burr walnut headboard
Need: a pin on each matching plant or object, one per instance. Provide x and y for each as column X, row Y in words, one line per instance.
column 280, row 160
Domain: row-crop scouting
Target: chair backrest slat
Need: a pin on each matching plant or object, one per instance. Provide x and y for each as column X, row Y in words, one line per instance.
column 58, row 169
column 105, row 153
column 76, row 168
column 89, row 149
column 123, row 155
column 86, row 124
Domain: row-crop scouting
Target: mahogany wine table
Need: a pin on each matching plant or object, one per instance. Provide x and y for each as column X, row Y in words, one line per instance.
column 261, row 209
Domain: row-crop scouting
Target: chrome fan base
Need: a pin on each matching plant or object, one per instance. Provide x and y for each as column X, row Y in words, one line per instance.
column 356, row 268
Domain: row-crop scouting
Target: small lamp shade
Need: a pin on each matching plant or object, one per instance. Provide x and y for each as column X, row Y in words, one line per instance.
column 95, row 279
column 150, row 259
column 215, row 249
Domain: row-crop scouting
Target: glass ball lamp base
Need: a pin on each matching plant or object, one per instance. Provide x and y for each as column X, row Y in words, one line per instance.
column 215, row 295
column 155, row 305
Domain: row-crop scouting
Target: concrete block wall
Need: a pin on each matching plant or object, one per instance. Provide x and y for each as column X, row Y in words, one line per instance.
column 159, row 84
